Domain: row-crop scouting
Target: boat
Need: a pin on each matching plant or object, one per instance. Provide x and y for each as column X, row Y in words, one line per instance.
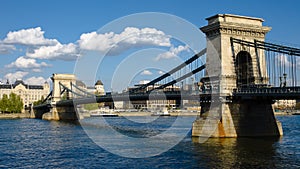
column 161, row 113
column 103, row 114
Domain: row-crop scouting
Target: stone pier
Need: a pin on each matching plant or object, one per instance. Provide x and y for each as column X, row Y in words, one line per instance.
column 247, row 118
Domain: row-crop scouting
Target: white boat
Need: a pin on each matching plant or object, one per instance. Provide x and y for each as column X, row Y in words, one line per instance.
column 103, row 114
column 161, row 113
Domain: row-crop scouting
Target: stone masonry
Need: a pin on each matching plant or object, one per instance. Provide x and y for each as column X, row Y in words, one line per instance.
column 239, row 117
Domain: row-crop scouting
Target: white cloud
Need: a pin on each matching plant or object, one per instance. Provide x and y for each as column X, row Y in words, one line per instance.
column 31, row 36
column 173, row 52
column 146, row 72
column 5, row 48
column 16, row 75
column 43, row 48
column 40, row 47
column 35, row 80
column 26, row 63
column 57, row 52
column 283, row 58
column 160, row 72
column 286, row 60
column 36, row 70
column 116, row 43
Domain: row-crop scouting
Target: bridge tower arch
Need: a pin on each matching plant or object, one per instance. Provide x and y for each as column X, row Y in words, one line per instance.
column 245, row 75
column 236, row 65
column 64, row 79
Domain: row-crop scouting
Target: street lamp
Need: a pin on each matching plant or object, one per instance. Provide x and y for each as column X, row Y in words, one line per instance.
column 284, row 79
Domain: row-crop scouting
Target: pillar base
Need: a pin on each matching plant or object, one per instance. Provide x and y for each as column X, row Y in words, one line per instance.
column 66, row 113
column 248, row 118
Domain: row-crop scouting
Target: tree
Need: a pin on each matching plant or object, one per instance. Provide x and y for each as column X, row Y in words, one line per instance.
column 64, row 96
column 4, row 103
column 297, row 106
column 13, row 104
column 91, row 106
column 19, row 104
column 12, row 99
column 39, row 101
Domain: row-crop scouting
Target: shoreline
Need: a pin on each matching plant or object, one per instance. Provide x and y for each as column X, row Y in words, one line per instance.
column 144, row 114
column 150, row 113
column 14, row 116
column 124, row 114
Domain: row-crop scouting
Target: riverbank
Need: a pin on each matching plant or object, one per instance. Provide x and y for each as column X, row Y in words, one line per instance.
column 150, row 113
column 142, row 113
column 185, row 113
column 14, row 115
column 145, row 113
column 286, row 113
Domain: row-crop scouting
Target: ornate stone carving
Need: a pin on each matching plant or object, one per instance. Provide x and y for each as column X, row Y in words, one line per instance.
column 235, row 30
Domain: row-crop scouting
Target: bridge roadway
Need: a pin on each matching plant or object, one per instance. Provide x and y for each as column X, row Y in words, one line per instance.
column 266, row 93
column 137, row 97
column 201, row 97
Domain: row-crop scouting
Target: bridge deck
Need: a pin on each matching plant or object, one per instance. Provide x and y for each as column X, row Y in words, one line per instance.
column 275, row 93
column 270, row 93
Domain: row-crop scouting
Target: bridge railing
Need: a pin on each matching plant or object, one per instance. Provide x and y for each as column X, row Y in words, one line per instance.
column 267, row 90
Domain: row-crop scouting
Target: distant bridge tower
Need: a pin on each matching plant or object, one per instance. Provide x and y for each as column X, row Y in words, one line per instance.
column 235, row 67
column 64, row 79
column 66, row 112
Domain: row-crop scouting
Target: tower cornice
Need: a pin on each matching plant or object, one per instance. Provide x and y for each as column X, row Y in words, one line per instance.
column 238, row 29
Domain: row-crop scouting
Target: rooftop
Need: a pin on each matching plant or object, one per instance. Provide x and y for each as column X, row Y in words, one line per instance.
column 99, row 82
column 20, row 82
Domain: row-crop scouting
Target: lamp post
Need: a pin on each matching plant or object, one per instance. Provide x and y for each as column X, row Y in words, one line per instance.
column 284, row 79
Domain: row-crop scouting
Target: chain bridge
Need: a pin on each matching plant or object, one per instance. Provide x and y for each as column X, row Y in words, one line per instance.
column 236, row 86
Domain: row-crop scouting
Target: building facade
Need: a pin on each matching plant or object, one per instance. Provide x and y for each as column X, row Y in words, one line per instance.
column 83, row 89
column 28, row 93
column 99, row 88
column 284, row 104
column 152, row 103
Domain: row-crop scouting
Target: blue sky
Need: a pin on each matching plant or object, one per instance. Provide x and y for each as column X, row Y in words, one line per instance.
column 57, row 26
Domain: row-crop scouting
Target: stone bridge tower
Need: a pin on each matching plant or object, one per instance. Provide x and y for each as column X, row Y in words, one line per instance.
column 65, row 79
column 65, row 112
column 233, row 66
column 238, row 65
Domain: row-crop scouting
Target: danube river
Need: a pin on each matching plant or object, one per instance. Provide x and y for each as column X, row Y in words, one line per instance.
column 32, row 143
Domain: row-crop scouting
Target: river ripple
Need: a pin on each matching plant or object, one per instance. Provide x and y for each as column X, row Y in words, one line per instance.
column 32, row 143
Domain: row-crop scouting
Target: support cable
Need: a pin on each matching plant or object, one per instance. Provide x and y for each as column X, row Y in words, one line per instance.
column 269, row 67
column 84, row 92
column 295, row 70
column 187, row 62
column 273, row 73
column 180, row 78
column 290, row 70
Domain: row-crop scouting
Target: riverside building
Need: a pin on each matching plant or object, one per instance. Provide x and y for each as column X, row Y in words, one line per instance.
column 28, row 93
column 152, row 103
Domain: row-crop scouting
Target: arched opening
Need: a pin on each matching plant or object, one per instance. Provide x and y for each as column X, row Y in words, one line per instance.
column 245, row 75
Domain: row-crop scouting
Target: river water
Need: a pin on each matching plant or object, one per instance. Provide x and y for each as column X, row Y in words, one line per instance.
column 33, row 143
